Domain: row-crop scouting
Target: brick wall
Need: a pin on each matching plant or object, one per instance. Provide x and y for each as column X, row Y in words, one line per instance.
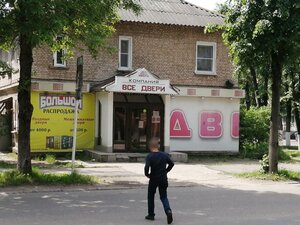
column 165, row 50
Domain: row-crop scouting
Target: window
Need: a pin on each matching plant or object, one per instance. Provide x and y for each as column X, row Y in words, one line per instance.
column 206, row 58
column 59, row 58
column 125, row 53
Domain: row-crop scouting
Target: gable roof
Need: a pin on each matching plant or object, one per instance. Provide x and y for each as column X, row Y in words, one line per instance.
column 172, row 12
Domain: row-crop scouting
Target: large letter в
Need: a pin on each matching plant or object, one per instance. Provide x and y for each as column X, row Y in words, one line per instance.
column 179, row 127
column 210, row 125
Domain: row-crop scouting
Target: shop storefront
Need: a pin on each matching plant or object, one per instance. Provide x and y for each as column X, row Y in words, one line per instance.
column 134, row 108
column 53, row 118
column 131, row 110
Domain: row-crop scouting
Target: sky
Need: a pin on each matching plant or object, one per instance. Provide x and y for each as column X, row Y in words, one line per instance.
column 207, row 4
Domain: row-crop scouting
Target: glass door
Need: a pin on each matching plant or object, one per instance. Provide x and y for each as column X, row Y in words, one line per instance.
column 156, row 127
column 120, row 128
column 138, row 129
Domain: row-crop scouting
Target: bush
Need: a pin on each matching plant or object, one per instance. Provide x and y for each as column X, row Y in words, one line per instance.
column 50, row 158
column 264, row 164
column 254, row 132
column 254, row 151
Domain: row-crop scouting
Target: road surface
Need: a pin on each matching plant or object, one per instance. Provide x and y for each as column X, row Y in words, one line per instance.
column 197, row 205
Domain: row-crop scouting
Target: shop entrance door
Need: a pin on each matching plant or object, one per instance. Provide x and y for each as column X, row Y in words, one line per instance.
column 138, row 129
column 135, row 124
column 145, row 123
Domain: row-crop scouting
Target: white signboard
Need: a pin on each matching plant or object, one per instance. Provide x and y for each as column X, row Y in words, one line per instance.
column 210, row 124
column 141, row 81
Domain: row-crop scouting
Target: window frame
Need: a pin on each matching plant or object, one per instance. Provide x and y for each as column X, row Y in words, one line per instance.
column 129, row 39
column 61, row 65
column 214, row 65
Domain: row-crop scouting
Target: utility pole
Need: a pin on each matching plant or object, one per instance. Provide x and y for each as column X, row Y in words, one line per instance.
column 79, row 83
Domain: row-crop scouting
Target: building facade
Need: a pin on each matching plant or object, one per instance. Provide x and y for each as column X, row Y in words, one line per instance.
column 164, row 78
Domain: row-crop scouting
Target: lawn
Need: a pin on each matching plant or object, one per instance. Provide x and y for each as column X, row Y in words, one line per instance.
column 15, row 178
column 282, row 175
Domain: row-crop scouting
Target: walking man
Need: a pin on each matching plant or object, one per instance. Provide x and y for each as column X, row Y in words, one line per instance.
column 158, row 162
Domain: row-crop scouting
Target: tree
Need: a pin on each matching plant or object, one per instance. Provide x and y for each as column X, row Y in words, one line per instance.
column 31, row 23
column 252, row 71
column 265, row 29
column 6, row 69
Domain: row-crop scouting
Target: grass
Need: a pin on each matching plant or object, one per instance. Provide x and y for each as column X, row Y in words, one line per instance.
column 15, row 178
column 282, row 175
column 6, row 165
column 50, row 158
column 294, row 154
column 52, row 162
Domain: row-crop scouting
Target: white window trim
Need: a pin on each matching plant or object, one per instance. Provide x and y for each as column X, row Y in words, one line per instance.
column 214, row 45
column 126, row 38
column 55, row 64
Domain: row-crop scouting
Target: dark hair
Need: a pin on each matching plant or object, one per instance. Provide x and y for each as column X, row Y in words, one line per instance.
column 153, row 143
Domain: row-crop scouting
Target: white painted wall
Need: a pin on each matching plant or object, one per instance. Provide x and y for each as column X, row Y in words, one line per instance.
column 107, row 100
column 167, row 102
column 192, row 107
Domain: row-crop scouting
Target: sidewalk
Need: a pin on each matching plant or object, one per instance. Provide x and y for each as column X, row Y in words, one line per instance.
column 128, row 175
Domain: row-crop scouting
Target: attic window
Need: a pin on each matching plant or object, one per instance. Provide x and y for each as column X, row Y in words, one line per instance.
column 125, row 53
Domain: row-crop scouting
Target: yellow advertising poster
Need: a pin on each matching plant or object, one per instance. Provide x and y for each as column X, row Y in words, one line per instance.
column 53, row 118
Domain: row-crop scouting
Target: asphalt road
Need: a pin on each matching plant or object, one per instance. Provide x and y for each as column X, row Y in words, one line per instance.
column 191, row 206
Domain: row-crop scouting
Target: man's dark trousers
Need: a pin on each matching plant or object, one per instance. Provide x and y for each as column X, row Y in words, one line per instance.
column 162, row 185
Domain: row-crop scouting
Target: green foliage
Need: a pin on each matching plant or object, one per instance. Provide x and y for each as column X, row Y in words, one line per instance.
column 15, row 178
column 254, row 132
column 50, row 158
column 282, row 175
column 7, row 165
column 283, row 155
column 253, row 150
column 294, row 154
column 264, row 164
column 41, row 21
column 6, row 69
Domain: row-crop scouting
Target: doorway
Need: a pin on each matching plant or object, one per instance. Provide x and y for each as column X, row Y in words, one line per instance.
column 137, row 119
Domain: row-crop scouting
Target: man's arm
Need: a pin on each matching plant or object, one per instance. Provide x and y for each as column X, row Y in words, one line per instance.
column 170, row 164
column 147, row 166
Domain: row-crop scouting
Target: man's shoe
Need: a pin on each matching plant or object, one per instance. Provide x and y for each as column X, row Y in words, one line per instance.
column 149, row 217
column 169, row 217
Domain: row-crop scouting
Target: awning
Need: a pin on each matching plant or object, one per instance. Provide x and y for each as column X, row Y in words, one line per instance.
column 139, row 81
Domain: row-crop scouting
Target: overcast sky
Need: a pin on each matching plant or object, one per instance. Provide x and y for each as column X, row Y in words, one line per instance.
column 207, row 4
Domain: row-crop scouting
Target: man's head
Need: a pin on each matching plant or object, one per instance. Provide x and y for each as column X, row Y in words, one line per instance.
column 154, row 144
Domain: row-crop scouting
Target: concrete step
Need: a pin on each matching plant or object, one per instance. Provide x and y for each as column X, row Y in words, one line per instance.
column 131, row 157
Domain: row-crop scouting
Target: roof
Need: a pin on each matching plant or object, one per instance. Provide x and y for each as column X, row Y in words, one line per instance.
column 172, row 12
column 137, row 77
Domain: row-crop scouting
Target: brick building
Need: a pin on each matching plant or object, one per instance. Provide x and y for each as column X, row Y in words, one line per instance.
column 165, row 78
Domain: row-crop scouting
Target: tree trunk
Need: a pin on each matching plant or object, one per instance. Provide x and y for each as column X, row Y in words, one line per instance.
column 296, row 97
column 288, row 106
column 247, row 96
column 297, row 120
column 288, row 122
column 255, row 85
column 265, row 95
column 276, row 71
column 25, row 107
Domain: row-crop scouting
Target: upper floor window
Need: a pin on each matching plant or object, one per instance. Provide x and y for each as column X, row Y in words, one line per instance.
column 206, row 58
column 125, row 53
column 58, row 57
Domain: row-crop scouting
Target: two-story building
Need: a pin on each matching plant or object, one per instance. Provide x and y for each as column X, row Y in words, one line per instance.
column 167, row 78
